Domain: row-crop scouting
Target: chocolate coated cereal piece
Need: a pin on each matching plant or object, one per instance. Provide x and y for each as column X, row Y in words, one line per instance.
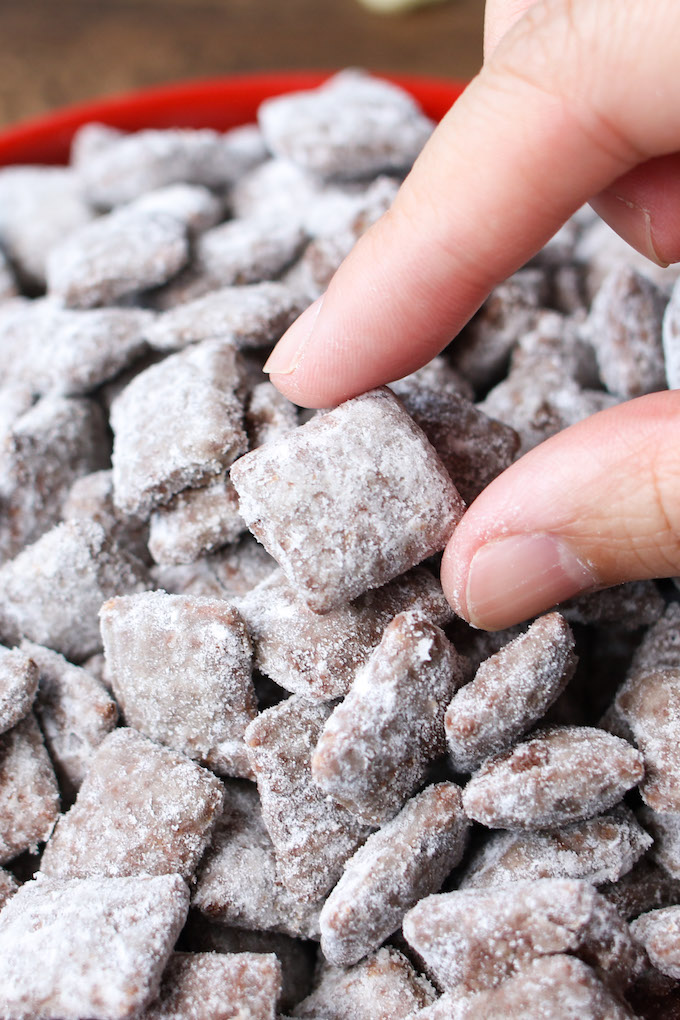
column 649, row 703
column 91, row 498
column 634, row 604
column 644, row 887
column 194, row 206
column 376, row 746
column 405, row 860
column 195, row 522
column 510, row 692
column 555, row 346
column 29, row 796
column 88, row 948
column 197, row 578
column 51, row 592
column 349, row 500
column 312, row 835
column 247, row 316
column 75, row 712
column 237, row 883
column 437, row 375
column 176, row 425
column 18, row 686
column 560, row 775
column 8, row 283
column 92, row 139
column 624, row 328
column 141, row 809
column 659, row 932
column 318, row 656
column 659, row 648
column 353, row 126
column 180, row 667
column 269, row 415
column 597, row 850
column 665, row 828
column 384, row 986
column 247, row 251
column 8, row 886
column 474, row 940
column 217, row 986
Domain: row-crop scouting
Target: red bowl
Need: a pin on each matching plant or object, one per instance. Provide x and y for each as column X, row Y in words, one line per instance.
column 219, row 103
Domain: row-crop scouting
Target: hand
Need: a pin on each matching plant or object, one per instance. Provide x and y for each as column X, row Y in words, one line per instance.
column 576, row 99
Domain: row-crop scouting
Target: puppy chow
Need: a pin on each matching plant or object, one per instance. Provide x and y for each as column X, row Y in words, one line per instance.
column 269, row 415
column 664, row 826
column 176, row 425
column 91, row 498
column 18, row 686
column 75, row 712
column 194, row 206
column 248, row 250
column 438, row 375
column 560, row 775
column 29, row 797
column 195, row 522
column 649, row 704
column 141, row 809
column 376, row 746
column 659, row 933
column 405, row 860
column 8, row 283
column 237, row 882
column 511, row 690
column 51, row 592
column 635, row 604
column 8, row 886
column 180, row 667
column 659, row 648
column 241, row 567
column 645, row 887
column 313, row 835
column 349, row 500
column 92, row 947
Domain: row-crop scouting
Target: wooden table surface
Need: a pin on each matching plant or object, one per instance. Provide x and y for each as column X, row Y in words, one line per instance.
column 55, row 52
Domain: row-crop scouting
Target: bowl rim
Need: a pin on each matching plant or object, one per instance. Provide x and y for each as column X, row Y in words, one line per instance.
column 219, row 102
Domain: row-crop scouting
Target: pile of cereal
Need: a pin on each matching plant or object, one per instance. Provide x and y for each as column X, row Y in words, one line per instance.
column 278, row 778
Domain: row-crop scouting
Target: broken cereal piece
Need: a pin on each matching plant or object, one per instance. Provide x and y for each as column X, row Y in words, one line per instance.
column 649, row 703
column 195, row 522
column 560, row 775
column 176, row 425
column 312, row 835
column 218, row 986
column 75, row 712
column 51, row 592
column 141, row 809
column 659, row 933
column 88, row 948
column 382, row 987
column 316, row 655
column 376, row 746
column 349, row 500
column 405, row 860
column 511, row 690
column 180, row 667
column 237, row 883
column 472, row 940
column 18, row 686
column 29, row 796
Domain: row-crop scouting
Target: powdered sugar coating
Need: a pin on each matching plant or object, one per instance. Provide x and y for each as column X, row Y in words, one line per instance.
column 561, row 775
column 405, row 860
column 121, row 253
column 8, row 283
column 176, row 425
column 597, row 850
column 180, row 667
column 75, row 712
column 645, row 887
column 241, row 567
column 349, row 500
column 18, row 686
column 474, row 940
column 29, row 796
column 659, row 648
column 353, row 126
column 649, row 704
column 195, row 207
column 195, row 522
column 88, row 948
column 91, row 498
column 269, row 415
column 376, row 746
column 8, row 886
column 634, row 604
column 510, row 692
column 437, row 375
column 237, row 882
column 217, row 986
column 196, row 578
column 382, row 987
column 312, row 835
column 659, row 933
column 141, row 809
column 51, row 592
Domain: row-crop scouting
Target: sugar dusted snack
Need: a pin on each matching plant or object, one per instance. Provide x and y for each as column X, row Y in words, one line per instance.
column 218, row 986
column 659, row 932
column 18, row 686
column 195, row 522
column 360, row 534
column 29, row 796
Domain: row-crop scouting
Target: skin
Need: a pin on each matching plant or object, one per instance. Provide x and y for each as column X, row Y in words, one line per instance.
column 577, row 101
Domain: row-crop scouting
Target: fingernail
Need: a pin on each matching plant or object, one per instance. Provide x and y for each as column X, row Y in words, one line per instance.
column 514, row 578
column 287, row 354
column 631, row 221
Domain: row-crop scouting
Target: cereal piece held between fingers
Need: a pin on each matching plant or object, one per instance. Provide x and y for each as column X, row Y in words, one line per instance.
column 195, row 522
column 88, row 948
column 29, row 796
column 18, row 686
column 349, row 500
column 375, row 748
column 141, row 809
column 405, row 860
column 558, row 776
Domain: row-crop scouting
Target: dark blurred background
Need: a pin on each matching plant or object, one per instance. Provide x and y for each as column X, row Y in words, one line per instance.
column 54, row 52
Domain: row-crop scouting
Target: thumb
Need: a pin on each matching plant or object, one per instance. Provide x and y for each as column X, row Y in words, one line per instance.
column 595, row 505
